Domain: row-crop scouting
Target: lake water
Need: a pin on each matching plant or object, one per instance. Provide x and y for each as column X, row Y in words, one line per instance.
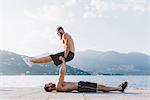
column 40, row 80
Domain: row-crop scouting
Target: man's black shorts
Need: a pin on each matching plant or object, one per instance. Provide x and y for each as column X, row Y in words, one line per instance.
column 56, row 60
column 87, row 86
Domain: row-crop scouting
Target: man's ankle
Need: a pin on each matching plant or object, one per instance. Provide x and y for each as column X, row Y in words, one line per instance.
column 33, row 60
column 119, row 88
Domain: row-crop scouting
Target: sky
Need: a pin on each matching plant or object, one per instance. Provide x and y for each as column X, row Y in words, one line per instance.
column 28, row 27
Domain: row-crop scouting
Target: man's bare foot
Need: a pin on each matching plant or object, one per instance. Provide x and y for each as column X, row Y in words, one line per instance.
column 123, row 86
column 27, row 60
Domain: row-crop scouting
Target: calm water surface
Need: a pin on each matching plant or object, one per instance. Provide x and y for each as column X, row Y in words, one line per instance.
column 40, row 80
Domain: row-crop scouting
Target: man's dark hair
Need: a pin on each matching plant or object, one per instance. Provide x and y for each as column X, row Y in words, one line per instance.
column 61, row 34
column 60, row 28
column 47, row 90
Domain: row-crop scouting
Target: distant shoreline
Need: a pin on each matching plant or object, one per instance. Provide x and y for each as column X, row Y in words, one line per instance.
column 77, row 75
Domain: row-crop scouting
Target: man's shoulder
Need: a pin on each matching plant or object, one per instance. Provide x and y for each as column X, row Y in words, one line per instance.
column 66, row 35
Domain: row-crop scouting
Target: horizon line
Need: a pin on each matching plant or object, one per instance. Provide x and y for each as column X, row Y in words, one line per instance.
column 148, row 53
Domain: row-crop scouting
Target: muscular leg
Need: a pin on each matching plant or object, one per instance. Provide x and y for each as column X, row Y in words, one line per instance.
column 46, row 59
column 107, row 88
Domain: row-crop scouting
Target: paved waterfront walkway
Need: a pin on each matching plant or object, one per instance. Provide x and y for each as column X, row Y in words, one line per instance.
column 40, row 94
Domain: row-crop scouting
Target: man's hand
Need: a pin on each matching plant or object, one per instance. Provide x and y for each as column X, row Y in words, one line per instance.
column 62, row 59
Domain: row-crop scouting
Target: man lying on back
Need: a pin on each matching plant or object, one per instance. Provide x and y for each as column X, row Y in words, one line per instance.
column 62, row 86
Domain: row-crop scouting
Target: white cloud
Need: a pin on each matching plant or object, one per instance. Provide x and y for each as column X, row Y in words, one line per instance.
column 99, row 8
column 51, row 14
column 36, row 28
column 137, row 5
column 95, row 8
column 69, row 3
column 148, row 6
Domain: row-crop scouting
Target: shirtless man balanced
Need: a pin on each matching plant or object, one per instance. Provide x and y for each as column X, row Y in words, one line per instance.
column 68, row 52
column 62, row 86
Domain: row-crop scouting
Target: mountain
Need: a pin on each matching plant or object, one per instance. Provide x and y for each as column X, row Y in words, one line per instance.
column 112, row 62
column 85, row 63
column 12, row 64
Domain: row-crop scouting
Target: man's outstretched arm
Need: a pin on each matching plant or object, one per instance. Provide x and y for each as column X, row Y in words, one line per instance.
column 62, row 72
